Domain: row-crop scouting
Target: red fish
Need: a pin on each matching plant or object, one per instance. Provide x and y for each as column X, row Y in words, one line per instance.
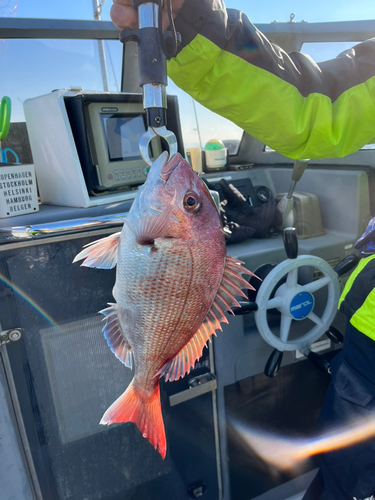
column 174, row 282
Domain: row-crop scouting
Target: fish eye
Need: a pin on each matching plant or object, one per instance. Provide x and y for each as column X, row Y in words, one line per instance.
column 191, row 202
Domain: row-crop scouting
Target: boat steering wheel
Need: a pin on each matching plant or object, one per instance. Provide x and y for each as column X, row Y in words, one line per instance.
column 294, row 301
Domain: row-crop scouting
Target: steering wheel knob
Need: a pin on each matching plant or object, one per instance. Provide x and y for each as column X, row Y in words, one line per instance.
column 290, row 242
column 273, row 363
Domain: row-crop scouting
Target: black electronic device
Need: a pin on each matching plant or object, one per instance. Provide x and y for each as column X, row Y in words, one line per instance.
column 107, row 129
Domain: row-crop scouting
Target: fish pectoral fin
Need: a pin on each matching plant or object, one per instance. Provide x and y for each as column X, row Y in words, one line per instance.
column 146, row 229
column 114, row 336
column 134, row 405
column 100, row 253
column 230, row 285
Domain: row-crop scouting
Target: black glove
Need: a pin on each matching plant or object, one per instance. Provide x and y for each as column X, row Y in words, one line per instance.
column 242, row 220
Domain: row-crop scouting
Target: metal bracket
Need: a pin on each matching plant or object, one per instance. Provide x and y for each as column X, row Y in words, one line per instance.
column 9, row 336
column 197, row 386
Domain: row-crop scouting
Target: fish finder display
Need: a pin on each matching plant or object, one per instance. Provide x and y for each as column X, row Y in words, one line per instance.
column 113, row 131
column 123, row 133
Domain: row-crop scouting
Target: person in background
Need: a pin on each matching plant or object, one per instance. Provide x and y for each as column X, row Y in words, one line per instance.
column 302, row 110
column 349, row 473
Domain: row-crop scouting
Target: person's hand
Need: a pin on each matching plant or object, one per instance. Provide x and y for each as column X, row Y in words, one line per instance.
column 124, row 15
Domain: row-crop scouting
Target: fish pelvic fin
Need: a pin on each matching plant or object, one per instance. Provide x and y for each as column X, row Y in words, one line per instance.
column 100, row 253
column 230, row 285
column 134, row 405
column 114, row 336
column 146, row 229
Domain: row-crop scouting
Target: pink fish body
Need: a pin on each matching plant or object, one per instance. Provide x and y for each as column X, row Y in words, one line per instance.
column 174, row 283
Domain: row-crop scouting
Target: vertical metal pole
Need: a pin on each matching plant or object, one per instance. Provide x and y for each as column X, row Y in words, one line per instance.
column 20, row 424
column 103, row 63
column 129, row 75
column 216, row 426
column 197, row 124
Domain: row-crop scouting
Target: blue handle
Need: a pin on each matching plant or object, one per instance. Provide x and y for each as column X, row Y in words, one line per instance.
column 4, row 158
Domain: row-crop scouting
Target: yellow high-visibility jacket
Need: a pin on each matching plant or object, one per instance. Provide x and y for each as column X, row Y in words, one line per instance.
column 295, row 106
column 357, row 300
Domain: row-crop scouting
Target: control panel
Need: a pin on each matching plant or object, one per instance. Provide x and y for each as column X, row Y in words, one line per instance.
column 135, row 175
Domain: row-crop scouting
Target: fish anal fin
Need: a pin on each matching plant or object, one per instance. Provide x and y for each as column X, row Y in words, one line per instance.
column 185, row 360
column 100, row 253
column 134, row 405
column 114, row 336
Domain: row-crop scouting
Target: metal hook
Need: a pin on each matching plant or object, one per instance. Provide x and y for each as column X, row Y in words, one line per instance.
column 161, row 132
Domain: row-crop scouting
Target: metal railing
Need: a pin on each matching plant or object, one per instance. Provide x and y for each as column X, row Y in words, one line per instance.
column 301, row 32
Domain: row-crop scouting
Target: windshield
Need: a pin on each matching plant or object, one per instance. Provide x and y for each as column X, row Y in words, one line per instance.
column 45, row 65
column 261, row 12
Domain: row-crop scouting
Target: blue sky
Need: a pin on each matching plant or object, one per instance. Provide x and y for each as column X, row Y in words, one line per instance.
column 265, row 11
column 37, row 67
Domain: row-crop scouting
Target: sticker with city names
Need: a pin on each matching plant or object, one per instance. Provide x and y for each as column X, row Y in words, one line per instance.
column 18, row 191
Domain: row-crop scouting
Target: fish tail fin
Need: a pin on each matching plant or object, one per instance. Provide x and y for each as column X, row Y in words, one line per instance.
column 142, row 409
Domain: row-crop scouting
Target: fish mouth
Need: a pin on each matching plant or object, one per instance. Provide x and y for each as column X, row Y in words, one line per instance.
column 169, row 167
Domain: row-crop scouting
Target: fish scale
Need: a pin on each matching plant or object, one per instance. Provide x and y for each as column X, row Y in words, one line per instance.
column 174, row 284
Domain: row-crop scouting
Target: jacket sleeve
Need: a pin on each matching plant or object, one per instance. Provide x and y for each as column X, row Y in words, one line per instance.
column 295, row 106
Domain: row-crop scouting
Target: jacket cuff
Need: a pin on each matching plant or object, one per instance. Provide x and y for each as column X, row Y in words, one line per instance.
column 191, row 18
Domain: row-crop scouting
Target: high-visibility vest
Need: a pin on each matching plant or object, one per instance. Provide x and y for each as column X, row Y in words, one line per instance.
column 357, row 300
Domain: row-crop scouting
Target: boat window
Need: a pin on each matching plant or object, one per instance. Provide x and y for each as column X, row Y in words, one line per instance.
column 199, row 125
column 44, row 9
column 59, row 64
column 46, row 65
column 311, row 12
column 322, row 51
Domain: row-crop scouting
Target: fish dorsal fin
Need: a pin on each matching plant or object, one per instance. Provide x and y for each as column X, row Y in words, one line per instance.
column 100, row 253
column 113, row 334
column 230, row 285
column 149, row 227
